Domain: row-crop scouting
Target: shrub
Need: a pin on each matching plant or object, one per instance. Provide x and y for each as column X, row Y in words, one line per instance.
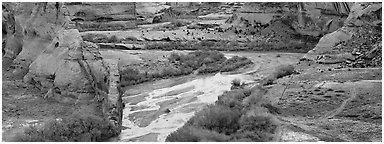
column 255, row 98
column 267, row 80
column 95, row 38
column 236, row 82
column 232, row 99
column 73, row 128
column 218, row 118
column 113, row 39
column 131, row 38
column 194, row 134
column 283, row 70
column 205, row 43
column 235, row 63
column 257, row 128
column 209, row 69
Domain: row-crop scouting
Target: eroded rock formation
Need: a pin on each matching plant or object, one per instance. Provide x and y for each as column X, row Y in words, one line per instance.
column 102, row 16
column 43, row 50
column 357, row 39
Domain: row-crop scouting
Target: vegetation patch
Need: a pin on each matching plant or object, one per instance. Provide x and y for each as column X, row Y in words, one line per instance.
column 217, row 118
column 74, row 128
column 279, row 72
column 230, row 120
column 201, row 62
column 194, row 134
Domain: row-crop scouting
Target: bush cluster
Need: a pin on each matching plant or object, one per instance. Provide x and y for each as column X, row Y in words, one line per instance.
column 183, row 64
column 256, row 128
column 279, row 72
column 75, row 128
column 217, row 118
column 100, row 38
column 195, row 134
column 199, row 43
column 283, row 70
column 227, row 120
column 209, row 61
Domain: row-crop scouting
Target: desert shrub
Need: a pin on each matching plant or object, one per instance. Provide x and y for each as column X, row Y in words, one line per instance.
column 256, row 97
column 73, row 128
column 182, row 64
column 235, row 63
column 283, row 70
column 113, row 39
column 218, row 118
column 232, row 99
column 178, row 23
column 272, row 109
column 131, row 38
column 174, row 57
column 257, row 128
column 236, row 82
column 95, row 38
column 205, row 43
column 130, row 76
column 197, row 59
column 194, row 134
column 209, row 69
column 268, row 80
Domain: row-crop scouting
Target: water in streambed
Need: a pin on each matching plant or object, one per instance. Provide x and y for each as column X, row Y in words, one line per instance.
column 158, row 113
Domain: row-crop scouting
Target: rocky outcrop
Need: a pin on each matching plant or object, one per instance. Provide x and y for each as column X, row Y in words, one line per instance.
column 100, row 16
column 41, row 48
column 364, row 14
column 313, row 19
column 35, row 26
column 11, row 36
column 327, row 42
column 355, row 43
column 70, row 67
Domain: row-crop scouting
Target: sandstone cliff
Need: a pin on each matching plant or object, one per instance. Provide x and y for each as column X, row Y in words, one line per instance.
column 43, row 50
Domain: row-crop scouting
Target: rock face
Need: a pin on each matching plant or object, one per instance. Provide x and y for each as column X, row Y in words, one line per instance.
column 35, row 27
column 102, row 15
column 41, row 48
column 70, row 65
column 355, row 43
column 11, row 38
column 307, row 18
column 364, row 13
